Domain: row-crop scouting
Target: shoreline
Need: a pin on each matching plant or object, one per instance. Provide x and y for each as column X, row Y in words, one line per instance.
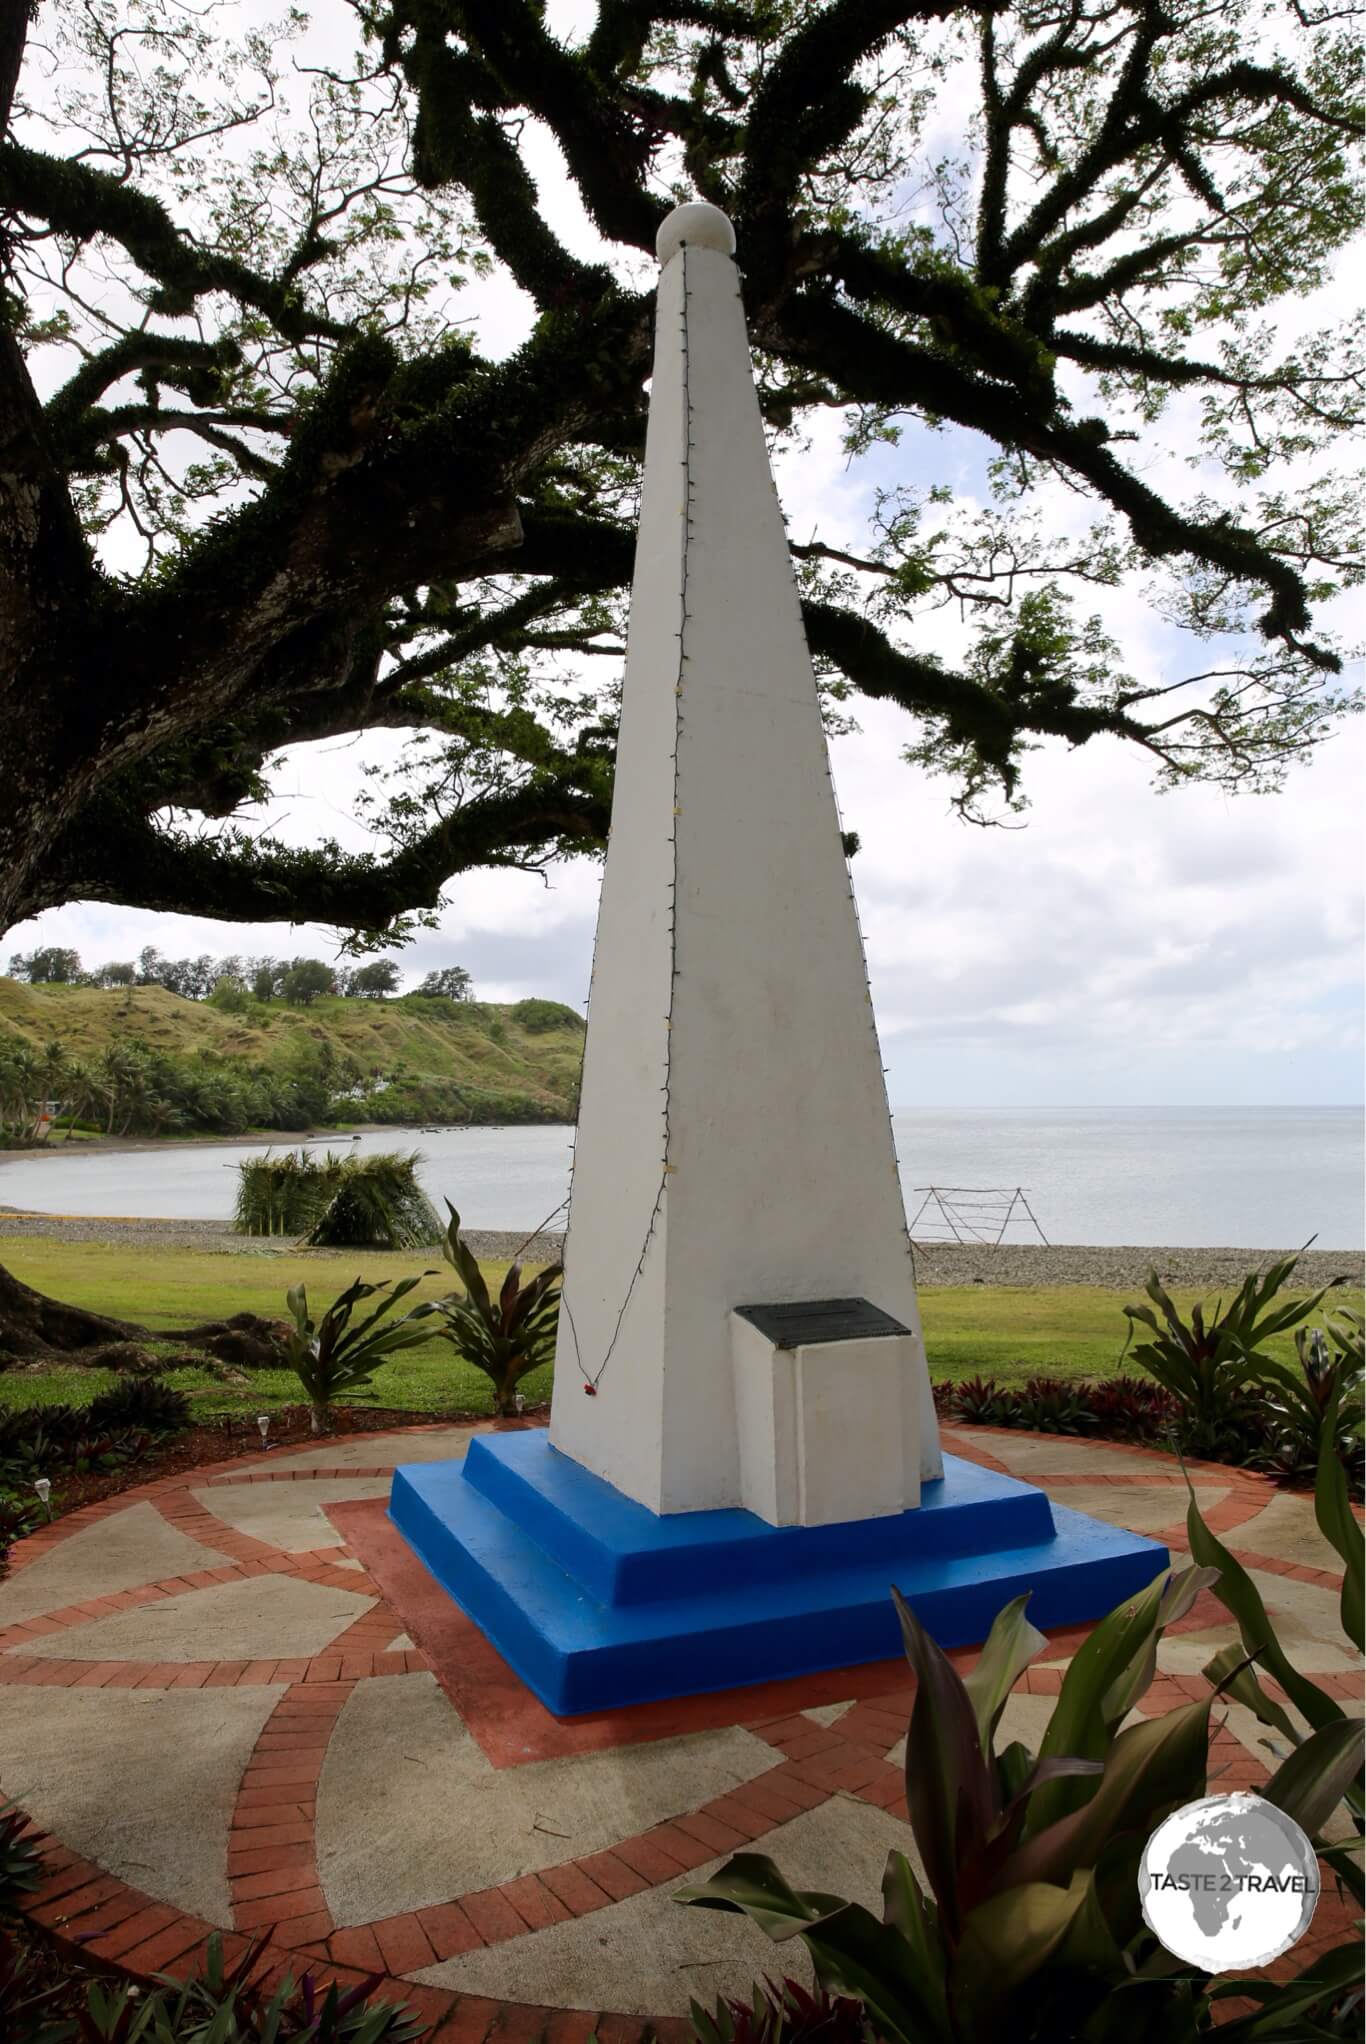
column 250, row 1139
column 1025, row 1265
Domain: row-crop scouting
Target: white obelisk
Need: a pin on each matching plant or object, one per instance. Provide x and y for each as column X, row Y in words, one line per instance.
column 734, row 1144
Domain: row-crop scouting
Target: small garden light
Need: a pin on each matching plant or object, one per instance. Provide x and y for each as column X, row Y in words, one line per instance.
column 263, row 1423
column 43, row 1486
column 520, row 1402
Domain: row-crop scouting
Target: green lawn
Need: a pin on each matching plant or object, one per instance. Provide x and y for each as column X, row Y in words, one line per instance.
column 1064, row 1330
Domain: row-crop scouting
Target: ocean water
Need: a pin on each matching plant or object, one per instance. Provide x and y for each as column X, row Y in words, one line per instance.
column 1177, row 1177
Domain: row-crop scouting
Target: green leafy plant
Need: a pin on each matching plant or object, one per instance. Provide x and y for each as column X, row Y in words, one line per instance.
column 1030, row 1924
column 146, row 1402
column 330, row 1356
column 981, row 1401
column 26, row 1429
column 18, row 1517
column 36, row 1439
column 506, row 1337
column 337, row 1201
column 20, row 1866
column 1052, row 1405
column 1298, row 1400
column 1119, row 1408
column 1236, row 1667
column 29, row 2005
column 224, row 2006
column 1210, row 1364
column 538, row 1016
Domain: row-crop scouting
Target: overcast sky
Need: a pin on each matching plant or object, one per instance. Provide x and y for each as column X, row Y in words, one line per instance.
column 1123, row 947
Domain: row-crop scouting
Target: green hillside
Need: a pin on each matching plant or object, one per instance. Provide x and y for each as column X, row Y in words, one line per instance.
column 136, row 1060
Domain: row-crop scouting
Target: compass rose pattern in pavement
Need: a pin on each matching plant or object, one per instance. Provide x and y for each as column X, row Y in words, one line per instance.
column 237, row 1733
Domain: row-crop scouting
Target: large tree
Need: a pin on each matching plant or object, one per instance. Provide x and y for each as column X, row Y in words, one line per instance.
column 259, row 485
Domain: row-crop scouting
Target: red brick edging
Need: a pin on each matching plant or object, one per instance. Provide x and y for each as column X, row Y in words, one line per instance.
column 272, row 1868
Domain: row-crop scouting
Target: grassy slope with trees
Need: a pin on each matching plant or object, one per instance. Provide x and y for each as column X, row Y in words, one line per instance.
column 269, row 1064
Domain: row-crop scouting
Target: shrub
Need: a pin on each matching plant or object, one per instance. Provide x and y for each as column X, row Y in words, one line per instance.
column 28, row 2005
column 30, row 1433
column 230, row 997
column 508, row 1337
column 18, row 1517
column 1297, row 1400
column 21, row 1869
column 220, row 2006
column 1210, row 1368
column 139, row 1402
column 539, row 1016
column 331, row 1356
column 1120, row 1408
column 784, row 2014
column 58, row 1427
column 1053, row 1405
column 980, row 1400
column 1030, row 1922
column 36, row 1439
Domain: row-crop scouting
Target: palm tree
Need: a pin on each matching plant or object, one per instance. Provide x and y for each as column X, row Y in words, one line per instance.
column 52, row 1070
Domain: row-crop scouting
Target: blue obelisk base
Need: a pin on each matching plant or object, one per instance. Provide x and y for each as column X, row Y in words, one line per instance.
column 598, row 1602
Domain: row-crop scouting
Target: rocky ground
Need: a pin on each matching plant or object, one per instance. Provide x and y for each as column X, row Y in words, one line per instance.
column 938, row 1263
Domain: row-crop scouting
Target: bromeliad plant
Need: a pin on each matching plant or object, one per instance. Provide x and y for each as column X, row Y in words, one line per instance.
column 331, row 1356
column 224, row 2006
column 1030, row 1924
column 21, row 1868
column 1119, row 1408
column 19, row 1516
column 1210, row 1366
column 1298, row 1400
column 29, row 2003
column 506, row 1337
column 784, row 2013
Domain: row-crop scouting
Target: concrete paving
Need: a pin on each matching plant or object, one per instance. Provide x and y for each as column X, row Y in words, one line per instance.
column 1304, row 1614
column 142, row 1782
column 651, row 1955
column 131, row 1547
column 1056, row 1455
column 270, row 1746
column 1291, row 1533
column 1187, row 1653
column 288, row 1515
column 1142, row 1507
column 434, row 1444
column 263, row 1618
column 410, row 1812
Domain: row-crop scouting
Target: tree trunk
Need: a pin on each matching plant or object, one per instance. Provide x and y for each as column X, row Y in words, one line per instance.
column 35, row 1328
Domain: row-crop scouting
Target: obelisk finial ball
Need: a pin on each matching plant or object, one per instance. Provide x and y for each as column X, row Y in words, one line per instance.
column 699, row 226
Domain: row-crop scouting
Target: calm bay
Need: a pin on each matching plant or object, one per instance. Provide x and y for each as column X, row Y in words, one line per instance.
column 1254, row 1178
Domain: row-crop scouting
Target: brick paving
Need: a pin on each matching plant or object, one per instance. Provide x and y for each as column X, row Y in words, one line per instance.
column 277, row 1886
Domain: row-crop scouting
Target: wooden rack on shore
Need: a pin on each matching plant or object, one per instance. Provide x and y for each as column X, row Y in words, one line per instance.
column 971, row 1213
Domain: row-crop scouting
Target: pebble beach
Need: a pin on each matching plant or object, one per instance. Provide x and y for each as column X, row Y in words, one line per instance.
column 1026, row 1264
